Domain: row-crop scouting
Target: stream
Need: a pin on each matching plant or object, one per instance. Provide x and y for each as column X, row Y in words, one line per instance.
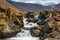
column 25, row 34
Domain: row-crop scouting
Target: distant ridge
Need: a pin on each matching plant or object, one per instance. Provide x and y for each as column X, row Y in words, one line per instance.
column 30, row 6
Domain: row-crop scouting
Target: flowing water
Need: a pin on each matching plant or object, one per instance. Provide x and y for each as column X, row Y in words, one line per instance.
column 25, row 34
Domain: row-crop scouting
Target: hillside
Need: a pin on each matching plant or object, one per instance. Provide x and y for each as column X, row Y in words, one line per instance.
column 4, row 3
column 11, row 20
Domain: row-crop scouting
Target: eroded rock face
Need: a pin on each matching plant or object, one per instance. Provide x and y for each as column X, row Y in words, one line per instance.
column 50, row 29
column 10, row 22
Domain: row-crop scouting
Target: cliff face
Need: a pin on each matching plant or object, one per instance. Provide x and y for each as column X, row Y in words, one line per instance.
column 11, row 20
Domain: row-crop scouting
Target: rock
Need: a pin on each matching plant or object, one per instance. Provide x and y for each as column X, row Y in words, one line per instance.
column 51, row 22
column 10, row 24
column 58, row 25
column 56, row 15
column 32, row 20
column 51, row 39
column 29, row 15
column 57, row 36
column 41, row 22
column 44, row 14
column 52, row 34
column 35, row 31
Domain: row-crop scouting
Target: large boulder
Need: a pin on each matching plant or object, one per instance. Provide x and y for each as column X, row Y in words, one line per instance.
column 35, row 31
column 10, row 22
column 44, row 14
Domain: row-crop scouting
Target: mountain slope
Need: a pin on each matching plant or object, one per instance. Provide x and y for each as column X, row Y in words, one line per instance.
column 28, row 6
column 4, row 3
column 11, row 20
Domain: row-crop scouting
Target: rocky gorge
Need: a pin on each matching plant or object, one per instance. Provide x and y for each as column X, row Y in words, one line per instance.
column 18, row 25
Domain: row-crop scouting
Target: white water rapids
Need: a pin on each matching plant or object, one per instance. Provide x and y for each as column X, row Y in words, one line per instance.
column 25, row 34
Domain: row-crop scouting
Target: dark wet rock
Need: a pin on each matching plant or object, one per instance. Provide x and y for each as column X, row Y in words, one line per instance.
column 41, row 22
column 7, row 35
column 44, row 31
column 32, row 20
column 2, row 10
column 26, row 28
column 29, row 15
column 52, row 34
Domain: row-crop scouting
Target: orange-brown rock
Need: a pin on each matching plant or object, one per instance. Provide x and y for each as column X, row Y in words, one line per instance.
column 11, row 20
column 51, row 39
column 57, row 17
column 30, row 17
column 44, row 14
column 51, row 26
column 58, row 25
column 35, row 31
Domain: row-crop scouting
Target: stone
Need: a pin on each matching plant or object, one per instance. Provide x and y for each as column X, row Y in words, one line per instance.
column 32, row 20
column 10, row 24
column 35, row 31
column 51, row 39
column 44, row 14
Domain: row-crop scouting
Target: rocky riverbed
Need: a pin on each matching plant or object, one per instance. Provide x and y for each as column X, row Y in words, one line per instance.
column 29, row 27
column 25, row 33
